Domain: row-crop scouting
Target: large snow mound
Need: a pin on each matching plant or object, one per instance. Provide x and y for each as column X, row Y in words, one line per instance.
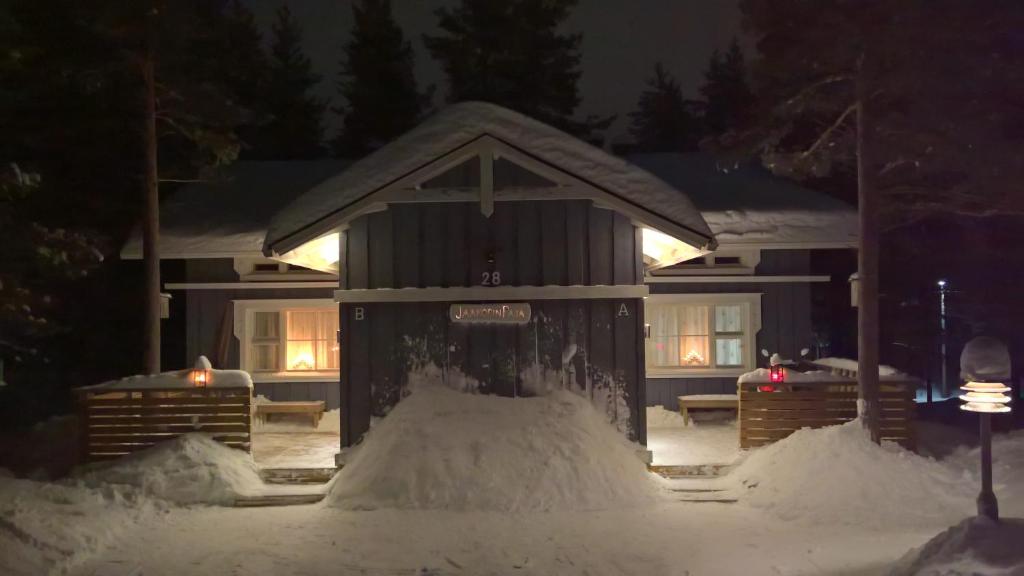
column 443, row 449
column 48, row 528
column 190, row 469
column 836, row 475
column 974, row 546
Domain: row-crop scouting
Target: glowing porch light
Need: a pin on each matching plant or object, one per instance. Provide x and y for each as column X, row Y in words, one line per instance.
column 985, row 397
column 321, row 254
column 202, row 373
column 662, row 250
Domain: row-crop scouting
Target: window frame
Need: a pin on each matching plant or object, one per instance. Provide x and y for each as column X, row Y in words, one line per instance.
column 750, row 311
column 244, row 311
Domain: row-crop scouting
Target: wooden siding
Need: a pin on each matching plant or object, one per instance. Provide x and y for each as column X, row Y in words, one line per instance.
column 539, row 243
column 383, row 342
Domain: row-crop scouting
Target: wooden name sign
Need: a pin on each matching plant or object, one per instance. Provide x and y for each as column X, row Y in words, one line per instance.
column 518, row 313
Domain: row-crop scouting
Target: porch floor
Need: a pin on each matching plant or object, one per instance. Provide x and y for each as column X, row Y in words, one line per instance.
column 295, row 449
column 710, row 438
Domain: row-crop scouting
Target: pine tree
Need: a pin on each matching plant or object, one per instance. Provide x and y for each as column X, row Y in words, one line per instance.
column 294, row 126
column 663, row 121
column 512, row 54
column 376, row 82
column 726, row 93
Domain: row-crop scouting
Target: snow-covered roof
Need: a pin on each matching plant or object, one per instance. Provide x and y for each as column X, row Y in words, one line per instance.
column 228, row 215
column 746, row 205
column 323, row 208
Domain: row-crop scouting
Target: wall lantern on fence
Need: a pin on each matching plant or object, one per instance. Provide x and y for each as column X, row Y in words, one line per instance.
column 202, row 373
column 777, row 374
column 984, row 363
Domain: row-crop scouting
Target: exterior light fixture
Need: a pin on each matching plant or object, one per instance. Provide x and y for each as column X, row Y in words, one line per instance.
column 986, row 398
column 777, row 374
column 202, row 373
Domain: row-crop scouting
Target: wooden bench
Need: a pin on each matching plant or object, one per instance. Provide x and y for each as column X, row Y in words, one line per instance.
column 687, row 403
column 315, row 409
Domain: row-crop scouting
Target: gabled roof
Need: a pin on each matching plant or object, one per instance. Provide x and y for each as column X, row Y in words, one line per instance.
column 228, row 215
column 448, row 136
column 744, row 204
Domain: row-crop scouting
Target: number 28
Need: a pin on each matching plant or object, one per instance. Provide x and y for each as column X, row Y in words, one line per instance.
column 491, row 279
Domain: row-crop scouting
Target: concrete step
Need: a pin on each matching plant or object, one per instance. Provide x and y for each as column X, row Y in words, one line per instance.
column 690, row 470
column 297, row 475
column 278, row 500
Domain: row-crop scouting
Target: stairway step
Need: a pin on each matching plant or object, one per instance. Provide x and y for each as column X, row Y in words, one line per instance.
column 278, row 500
column 297, row 475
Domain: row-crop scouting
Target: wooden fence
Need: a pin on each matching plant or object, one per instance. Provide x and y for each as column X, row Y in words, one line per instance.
column 769, row 416
column 119, row 422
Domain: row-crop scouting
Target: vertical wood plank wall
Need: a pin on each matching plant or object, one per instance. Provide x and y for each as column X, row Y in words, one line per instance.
column 536, row 243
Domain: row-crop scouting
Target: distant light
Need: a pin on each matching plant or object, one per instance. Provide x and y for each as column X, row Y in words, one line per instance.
column 941, row 283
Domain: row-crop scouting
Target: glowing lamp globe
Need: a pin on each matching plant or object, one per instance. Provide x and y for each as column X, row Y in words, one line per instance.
column 777, row 374
column 201, row 374
column 985, row 397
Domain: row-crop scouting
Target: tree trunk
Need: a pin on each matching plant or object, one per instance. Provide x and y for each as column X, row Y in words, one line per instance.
column 150, row 225
column 868, row 407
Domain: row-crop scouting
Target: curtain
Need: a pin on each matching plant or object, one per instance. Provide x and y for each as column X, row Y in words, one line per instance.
column 680, row 335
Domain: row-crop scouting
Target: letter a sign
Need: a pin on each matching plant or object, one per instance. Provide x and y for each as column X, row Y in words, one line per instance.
column 623, row 311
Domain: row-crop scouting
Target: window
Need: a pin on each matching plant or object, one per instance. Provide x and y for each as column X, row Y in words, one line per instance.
column 695, row 334
column 288, row 339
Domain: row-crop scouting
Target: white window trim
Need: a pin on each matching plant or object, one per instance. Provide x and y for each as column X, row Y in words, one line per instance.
column 751, row 303
column 243, row 324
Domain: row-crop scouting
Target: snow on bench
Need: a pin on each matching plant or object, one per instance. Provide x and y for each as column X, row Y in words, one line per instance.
column 691, row 401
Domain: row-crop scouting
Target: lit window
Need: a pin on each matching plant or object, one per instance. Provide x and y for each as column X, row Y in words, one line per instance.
column 691, row 335
column 307, row 342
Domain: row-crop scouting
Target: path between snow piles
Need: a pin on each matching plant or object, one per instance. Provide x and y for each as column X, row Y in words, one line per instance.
column 670, row 539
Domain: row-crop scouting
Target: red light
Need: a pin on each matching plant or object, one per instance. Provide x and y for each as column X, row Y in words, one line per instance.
column 766, row 388
column 777, row 374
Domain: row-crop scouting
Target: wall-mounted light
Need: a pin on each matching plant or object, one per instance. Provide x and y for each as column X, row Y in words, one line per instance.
column 202, row 373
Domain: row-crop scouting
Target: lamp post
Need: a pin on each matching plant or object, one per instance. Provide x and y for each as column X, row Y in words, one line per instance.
column 986, row 398
column 943, row 382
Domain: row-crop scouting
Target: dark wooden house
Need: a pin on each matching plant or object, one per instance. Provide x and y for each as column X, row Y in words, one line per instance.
column 499, row 255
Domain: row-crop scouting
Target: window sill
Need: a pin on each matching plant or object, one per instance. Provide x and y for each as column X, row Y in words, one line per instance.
column 696, row 373
column 265, row 377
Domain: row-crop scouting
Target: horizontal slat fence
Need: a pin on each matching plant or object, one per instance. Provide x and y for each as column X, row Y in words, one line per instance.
column 118, row 422
column 766, row 417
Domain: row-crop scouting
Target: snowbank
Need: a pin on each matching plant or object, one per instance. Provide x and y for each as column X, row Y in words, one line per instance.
column 443, row 449
column 659, row 417
column 851, row 366
column 190, row 469
column 175, row 379
column 836, row 475
column 764, row 375
column 47, row 528
column 974, row 546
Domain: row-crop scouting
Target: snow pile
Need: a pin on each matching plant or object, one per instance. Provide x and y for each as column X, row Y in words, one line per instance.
column 974, row 546
column 48, row 528
column 836, row 475
column 659, row 417
column 764, row 375
column 851, row 366
column 443, row 449
column 175, row 379
column 190, row 469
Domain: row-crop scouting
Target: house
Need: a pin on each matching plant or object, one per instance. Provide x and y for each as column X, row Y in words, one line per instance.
column 502, row 254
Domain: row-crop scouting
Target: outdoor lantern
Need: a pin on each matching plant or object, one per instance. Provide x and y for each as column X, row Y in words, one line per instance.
column 777, row 374
column 985, row 397
column 985, row 364
column 201, row 374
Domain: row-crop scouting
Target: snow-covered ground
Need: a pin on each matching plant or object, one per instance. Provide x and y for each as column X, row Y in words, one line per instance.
column 710, row 438
column 462, row 484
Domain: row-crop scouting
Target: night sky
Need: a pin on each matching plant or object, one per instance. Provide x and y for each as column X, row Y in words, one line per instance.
column 622, row 39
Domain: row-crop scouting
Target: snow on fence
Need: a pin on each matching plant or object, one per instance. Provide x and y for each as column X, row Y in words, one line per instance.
column 118, row 422
column 766, row 417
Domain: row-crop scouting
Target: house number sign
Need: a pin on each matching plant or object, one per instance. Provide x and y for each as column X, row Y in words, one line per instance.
column 516, row 313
